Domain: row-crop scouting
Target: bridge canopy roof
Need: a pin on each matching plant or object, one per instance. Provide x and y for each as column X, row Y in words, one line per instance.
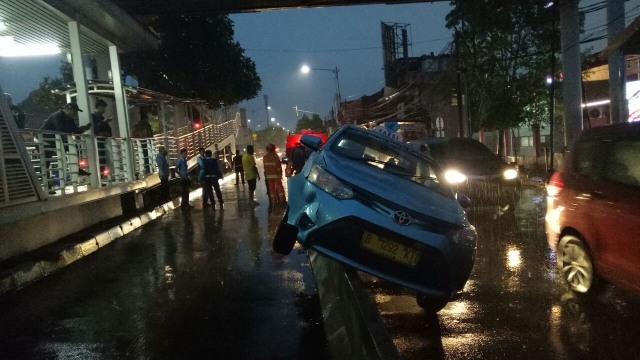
column 102, row 23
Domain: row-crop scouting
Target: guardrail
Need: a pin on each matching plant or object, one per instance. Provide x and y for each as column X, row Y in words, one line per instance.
column 62, row 162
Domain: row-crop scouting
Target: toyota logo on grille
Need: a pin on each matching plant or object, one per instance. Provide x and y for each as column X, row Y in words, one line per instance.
column 402, row 218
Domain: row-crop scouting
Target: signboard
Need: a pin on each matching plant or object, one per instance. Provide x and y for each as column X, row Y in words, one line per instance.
column 390, row 129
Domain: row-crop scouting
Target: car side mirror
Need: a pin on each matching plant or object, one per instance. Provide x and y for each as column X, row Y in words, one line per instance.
column 463, row 200
column 312, row 142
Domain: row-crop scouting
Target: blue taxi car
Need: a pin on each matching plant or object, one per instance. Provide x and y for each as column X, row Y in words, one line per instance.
column 375, row 204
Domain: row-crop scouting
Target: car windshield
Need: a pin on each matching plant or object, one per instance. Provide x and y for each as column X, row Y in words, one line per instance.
column 460, row 149
column 390, row 157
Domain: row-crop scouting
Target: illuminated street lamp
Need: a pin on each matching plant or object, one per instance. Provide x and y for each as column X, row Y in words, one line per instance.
column 305, row 70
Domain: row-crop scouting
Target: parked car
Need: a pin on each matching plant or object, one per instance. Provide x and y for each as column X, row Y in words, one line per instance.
column 377, row 205
column 474, row 170
column 593, row 209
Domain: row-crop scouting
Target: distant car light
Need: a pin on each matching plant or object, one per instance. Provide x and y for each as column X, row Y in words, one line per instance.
column 510, row 174
column 327, row 182
column 454, row 176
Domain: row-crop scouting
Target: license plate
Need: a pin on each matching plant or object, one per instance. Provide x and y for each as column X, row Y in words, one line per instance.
column 390, row 249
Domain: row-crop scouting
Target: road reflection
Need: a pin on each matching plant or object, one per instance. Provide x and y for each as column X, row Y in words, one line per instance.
column 515, row 304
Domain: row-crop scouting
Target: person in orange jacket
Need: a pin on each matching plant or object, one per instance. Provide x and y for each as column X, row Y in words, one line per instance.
column 273, row 175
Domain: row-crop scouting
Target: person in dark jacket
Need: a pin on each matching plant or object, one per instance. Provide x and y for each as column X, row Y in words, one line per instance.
column 61, row 121
column 163, row 173
column 237, row 167
column 18, row 116
column 212, row 174
column 299, row 156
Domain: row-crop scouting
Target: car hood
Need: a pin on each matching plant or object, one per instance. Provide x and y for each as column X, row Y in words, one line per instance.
column 406, row 193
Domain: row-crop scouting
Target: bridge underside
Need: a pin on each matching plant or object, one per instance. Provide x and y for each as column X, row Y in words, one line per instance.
column 153, row 7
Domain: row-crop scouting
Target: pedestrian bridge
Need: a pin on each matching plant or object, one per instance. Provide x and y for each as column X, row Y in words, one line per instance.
column 54, row 184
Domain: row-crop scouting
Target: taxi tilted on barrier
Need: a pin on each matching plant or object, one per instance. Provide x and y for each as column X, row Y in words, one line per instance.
column 373, row 203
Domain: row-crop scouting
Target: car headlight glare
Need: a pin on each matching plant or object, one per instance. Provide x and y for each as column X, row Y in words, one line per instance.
column 454, row 176
column 327, row 182
column 465, row 237
column 510, row 174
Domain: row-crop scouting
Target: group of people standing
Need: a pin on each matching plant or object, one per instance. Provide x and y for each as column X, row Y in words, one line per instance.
column 246, row 171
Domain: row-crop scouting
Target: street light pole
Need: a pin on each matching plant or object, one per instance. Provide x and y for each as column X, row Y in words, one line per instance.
column 266, row 108
column 305, row 69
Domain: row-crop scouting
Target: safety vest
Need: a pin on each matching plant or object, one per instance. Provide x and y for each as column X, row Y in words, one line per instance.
column 272, row 166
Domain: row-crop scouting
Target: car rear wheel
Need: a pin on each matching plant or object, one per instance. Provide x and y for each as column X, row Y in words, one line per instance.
column 576, row 265
column 429, row 304
column 285, row 237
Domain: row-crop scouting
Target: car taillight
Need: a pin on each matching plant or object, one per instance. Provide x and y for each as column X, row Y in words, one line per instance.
column 555, row 184
column 105, row 171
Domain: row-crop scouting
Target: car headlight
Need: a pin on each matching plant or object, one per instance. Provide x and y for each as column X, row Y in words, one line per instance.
column 454, row 176
column 510, row 174
column 327, row 182
column 465, row 237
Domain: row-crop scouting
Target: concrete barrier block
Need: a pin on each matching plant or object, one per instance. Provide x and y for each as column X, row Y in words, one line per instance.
column 147, row 217
column 49, row 267
column 127, row 227
column 89, row 246
column 26, row 273
column 115, row 232
column 136, row 222
column 70, row 254
column 103, row 239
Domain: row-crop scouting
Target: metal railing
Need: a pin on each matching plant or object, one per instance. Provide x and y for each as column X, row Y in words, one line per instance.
column 58, row 160
column 62, row 163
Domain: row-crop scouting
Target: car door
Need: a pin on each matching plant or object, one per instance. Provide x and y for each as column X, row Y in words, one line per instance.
column 616, row 204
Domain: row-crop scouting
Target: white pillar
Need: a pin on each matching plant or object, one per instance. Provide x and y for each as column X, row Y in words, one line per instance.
column 121, row 110
column 82, row 99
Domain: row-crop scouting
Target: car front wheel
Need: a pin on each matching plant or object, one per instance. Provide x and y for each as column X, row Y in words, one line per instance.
column 576, row 265
column 285, row 237
column 429, row 304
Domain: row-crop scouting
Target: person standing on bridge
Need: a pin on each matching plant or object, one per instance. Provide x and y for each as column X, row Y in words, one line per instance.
column 61, row 121
column 163, row 173
column 273, row 175
column 185, row 183
column 250, row 173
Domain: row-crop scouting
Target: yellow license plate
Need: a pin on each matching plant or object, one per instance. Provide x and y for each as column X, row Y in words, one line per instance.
column 390, row 249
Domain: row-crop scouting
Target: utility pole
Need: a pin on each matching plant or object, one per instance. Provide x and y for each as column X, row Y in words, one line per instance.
column 266, row 108
column 552, row 87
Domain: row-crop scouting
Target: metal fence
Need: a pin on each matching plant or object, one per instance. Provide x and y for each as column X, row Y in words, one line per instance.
column 62, row 162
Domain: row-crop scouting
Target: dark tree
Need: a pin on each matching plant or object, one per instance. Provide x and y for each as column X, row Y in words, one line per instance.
column 313, row 123
column 506, row 56
column 197, row 58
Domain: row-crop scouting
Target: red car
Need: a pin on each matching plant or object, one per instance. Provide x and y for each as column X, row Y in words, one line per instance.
column 593, row 209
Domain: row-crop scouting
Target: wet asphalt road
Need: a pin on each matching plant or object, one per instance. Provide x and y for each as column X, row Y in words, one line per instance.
column 516, row 306
column 203, row 285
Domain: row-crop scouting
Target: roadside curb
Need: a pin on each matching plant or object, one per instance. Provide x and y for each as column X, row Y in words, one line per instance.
column 24, row 274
